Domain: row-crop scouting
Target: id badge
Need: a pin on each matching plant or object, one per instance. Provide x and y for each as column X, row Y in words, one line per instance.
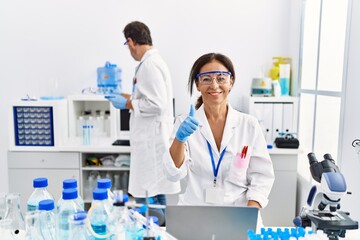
column 214, row 195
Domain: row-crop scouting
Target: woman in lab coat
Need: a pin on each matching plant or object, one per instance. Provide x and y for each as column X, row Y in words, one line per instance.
column 221, row 153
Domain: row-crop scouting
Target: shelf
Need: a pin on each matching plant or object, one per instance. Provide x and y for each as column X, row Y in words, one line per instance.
column 108, row 168
column 286, row 99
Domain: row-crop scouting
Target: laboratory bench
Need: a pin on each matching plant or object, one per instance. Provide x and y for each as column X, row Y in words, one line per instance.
column 68, row 161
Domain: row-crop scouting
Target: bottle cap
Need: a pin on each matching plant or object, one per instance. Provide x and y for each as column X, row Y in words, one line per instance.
column 40, row 182
column 78, row 216
column 155, row 219
column 118, row 202
column 69, row 183
column 100, row 194
column 69, row 193
column 46, row 205
column 104, row 183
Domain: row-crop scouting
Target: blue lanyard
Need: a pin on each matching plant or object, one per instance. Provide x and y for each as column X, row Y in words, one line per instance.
column 215, row 169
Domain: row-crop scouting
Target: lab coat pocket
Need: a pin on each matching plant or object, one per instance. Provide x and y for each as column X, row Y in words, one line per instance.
column 238, row 170
column 241, row 162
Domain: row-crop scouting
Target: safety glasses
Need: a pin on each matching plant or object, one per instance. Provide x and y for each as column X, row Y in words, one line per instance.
column 206, row 78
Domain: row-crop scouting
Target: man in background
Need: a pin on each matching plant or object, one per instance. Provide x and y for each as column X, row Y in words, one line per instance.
column 151, row 119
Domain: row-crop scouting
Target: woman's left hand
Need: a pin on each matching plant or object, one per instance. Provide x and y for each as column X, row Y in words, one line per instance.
column 252, row 203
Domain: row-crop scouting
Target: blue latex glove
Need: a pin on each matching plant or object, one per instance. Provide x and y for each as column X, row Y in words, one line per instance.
column 188, row 126
column 117, row 101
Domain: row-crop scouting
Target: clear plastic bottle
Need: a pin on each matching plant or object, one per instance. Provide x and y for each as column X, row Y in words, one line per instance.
column 71, row 183
column 89, row 187
column 105, row 183
column 77, row 226
column 33, row 227
column 80, row 122
column 119, row 216
column 47, row 219
column 67, row 207
column 13, row 213
column 98, row 214
column 40, row 193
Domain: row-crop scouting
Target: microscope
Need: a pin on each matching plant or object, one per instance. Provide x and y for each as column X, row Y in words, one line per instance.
column 324, row 200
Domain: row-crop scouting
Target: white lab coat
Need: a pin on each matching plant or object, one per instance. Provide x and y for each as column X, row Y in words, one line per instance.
column 151, row 123
column 252, row 180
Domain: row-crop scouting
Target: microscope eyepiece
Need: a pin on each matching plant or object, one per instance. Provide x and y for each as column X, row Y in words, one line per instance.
column 312, row 158
column 328, row 156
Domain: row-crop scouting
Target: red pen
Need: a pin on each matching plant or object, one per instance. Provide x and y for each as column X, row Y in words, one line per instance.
column 244, row 152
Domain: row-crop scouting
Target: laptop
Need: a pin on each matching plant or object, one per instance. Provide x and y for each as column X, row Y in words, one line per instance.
column 210, row 222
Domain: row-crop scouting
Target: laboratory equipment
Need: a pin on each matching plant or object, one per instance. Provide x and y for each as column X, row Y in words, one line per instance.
column 118, row 218
column 356, row 145
column 98, row 215
column 284, row 79
column 33, row 124
column 324, row 200
column 13, row 212
column 77, row 226
column 109, row 79
column 33, row 226
column 47, row 219
column 261, row 86
column 105, row 183
column 6, row 229
column 276, row 87
column 286, row 234
column 2, row 205
column 71, row 183
column 40, row 193
column 68, row 206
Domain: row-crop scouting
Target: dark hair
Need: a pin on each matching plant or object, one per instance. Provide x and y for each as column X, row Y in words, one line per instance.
column 200, row 62
column 138, row 32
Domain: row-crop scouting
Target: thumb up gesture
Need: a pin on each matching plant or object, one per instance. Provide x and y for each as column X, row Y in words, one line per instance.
column 188, row 126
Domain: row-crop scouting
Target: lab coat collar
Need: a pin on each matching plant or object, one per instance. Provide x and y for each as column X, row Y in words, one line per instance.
column 205, row 129
column 148, row 53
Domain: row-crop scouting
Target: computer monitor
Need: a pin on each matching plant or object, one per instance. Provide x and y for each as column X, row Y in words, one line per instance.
column 123, row 127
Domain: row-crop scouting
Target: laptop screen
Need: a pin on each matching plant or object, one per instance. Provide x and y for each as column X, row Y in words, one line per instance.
column 210, row 222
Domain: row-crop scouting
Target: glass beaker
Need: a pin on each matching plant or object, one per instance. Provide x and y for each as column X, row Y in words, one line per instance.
column 13, row 212
column 2, row 205
column 6, row 229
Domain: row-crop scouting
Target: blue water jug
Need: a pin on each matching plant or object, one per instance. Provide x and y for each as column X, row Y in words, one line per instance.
column 108, row 78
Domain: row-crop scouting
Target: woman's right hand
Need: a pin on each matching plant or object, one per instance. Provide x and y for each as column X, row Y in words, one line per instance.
column 188, row 126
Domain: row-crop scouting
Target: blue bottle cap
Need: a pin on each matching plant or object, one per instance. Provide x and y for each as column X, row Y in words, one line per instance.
column 104, row 183
column 155, row 219
column 125, row 198
column 69, row 183
column 100, row 194
column 78, row 216
column 69, row 193
column 40, row 182
column 46, row 205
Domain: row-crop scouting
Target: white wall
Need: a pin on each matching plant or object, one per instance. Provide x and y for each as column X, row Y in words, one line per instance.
column 65, row 41
column 350, row 161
